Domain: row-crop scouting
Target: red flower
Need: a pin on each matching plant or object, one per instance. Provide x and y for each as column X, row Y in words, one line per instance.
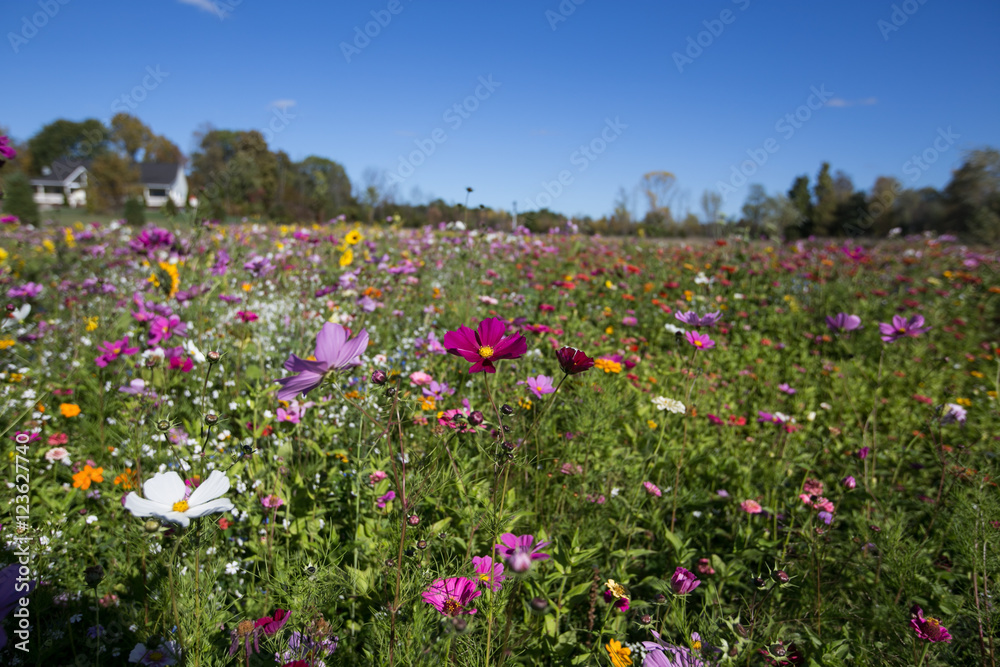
column 246, row 315
column 224, row 523
column 573, row 361
column 484, row 346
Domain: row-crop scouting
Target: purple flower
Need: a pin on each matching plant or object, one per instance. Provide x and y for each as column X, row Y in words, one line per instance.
column 863, row 453
column 489, row 573
column 849, row 482
column 25, row 291
column 683, row 581
column 661, row 654
column 163, row 328
column 272, row 624
column 954, row 413
column 784, row 386
column 6, row 150
column 258, row 266
column 929, row 629
column 112, row 350
column 843, row 322
column 767, row 417
column 438, row 390
column 221, row 263
column 692, row 319
column 700, row 341
column 540, row 385
column 486, row 345
column 520, row 551
column 901, row 328
column 385, row 500
column 334, row 352
column 452, row 596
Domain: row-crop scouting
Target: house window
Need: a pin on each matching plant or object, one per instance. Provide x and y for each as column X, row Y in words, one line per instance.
column 157, row 192
column 53, row 189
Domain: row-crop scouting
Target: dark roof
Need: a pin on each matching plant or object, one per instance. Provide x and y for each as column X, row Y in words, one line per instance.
column 157, row 173
column 59, row 171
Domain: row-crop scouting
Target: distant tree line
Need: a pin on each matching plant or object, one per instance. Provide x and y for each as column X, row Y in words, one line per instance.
column 233, row 173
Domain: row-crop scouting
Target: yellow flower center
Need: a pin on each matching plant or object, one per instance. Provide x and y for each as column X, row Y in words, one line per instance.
column 155, row 656
column 181, row 506
column 484, row 576
column 696, row 645
column 697, row 343
column 451, row 606
column 486, row 352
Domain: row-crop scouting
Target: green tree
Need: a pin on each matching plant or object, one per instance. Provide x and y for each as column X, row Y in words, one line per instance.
column 135, row 212
column 65, row 141
column 19, row 198
column 825, row 202
column 111, row 179
column 129, row 135
column 799, row 197
column 973, row 194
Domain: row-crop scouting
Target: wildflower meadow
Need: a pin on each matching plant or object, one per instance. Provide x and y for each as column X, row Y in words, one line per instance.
column 340, row 444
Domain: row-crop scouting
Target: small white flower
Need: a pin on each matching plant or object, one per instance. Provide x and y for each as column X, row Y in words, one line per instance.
column 670, row 404
column 91, row 519
column 233, row 567
column 672, row 329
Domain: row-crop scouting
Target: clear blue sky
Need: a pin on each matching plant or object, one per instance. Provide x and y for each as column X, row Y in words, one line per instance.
column 238, row 64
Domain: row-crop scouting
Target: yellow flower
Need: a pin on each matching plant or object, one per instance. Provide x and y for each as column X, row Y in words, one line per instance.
column 5, row 343
column 651, row 424
column 353, row 237
column 616, row 589
column 91, row 322
column 341, row 457
column 524, row 403
column 426, row 403
column 688, row 294
column 69, row 409
column 963, row 401
column 15, row 378
column 347, row 257
column 69, row 238
column 976, row 374
column 619, row 654
column 246, row 287
column 608, row 366
column 609, row 330
column 49, row 245
column 3, row 255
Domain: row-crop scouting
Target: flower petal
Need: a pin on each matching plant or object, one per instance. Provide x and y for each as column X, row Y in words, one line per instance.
column 165, row 488
column 212, row 506
column 142, row 507
column 295, row 364
column 176, row 517
column 295, row 384
column 216, row 485
column 491, row 331
column 463, row 339
column 329, row 340
column 350, row 354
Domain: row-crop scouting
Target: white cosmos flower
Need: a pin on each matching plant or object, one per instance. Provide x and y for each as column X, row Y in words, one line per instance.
column 165, row 498
column 195, row 353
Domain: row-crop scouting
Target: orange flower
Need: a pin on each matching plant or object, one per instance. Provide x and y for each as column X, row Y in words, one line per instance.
column 127, row 479
column 82, row 479
column 69, row 409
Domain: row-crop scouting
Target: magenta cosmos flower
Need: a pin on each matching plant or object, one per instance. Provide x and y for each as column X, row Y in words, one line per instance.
column 163, row 328
column 901, row 328
column 111, row 350
column 520, row 551
column 843, row 322
column 333, row 353
column 683, row 581
column 573, row 361
column 489, row 573
column 452, row 596
column 700, row 341
column 484, row 346
column 929, row 628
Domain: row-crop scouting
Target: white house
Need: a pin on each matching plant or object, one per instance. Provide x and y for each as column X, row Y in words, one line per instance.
column 161, row 181
column 66, row 183
column 62, row 183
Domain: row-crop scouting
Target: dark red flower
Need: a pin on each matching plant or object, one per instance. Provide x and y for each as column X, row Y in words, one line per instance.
column 573, row 361
column 271, row 624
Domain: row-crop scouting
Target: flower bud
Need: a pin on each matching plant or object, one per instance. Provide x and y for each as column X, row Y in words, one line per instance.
column 780, row 576
column 849, row 482
column 211, row 419
column 519, row 562
column 413, row 520
column 506, row 410
column 163, row 425
column 93, row 575
column 379, row 377
column 539, row 604
column 421, row 544
column 213, row 357
column 476, row 418
column 390, row 392
column 151, row 526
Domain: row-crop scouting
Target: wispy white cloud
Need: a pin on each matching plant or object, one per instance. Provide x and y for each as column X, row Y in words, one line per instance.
column 840, row 102
column 210, row 6
column 283, row 104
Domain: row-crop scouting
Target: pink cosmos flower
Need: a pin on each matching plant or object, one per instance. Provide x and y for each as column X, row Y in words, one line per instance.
column 700, row 341
column 111, row 350
column 421, row 379
column 162, row 328
column 901, row 328
column 520, row 551
column 751, row 507
column 652, row 489
column 272, row 624
column 272, row 501
column 56, row 454
column 452, row 596
column 489, row 573
column 334, row 352
column 843, row 322
column 573, row 361
column 540, row 385
column 485, row 346
column 376, row 477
